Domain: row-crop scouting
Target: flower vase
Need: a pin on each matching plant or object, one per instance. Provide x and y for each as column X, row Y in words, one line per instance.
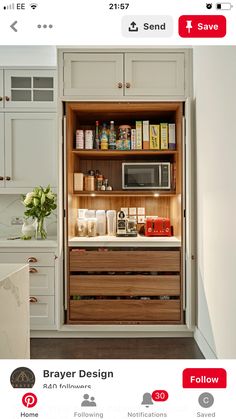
column 40, row 230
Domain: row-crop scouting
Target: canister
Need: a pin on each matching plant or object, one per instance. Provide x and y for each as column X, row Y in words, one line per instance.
column 101, row 222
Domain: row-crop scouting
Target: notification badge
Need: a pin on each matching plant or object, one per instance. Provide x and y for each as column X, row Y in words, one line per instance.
column 202, row 26
column 29, row 400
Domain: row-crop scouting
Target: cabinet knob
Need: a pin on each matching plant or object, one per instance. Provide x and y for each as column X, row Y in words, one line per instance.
column 1, row 98
column 1, row 178
column 7, row 178
column 32, row 260
column 33, row 300
column 120, row 85
column 127, row 85
column 7, row 98
column 33, row 271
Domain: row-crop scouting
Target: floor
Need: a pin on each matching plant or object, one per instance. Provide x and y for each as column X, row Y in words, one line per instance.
column 150, row 348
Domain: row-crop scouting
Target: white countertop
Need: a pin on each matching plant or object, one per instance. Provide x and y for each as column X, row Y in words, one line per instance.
column 7, row 269
column 51, row 242
column 111, row 241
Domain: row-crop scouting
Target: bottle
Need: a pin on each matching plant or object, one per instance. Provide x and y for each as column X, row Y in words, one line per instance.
column 96, row 139
column 112, row 137
column 104, row 138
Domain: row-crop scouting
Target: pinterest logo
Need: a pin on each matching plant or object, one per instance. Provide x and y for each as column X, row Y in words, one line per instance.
column 29, row 400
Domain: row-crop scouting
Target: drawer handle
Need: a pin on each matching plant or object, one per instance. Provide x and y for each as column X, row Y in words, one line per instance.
column 32, row 260
column 33, row 271
column 1, row 98
column 120, row 85
column 1, row 178
column 8, row 178
column 7, row 98
column 128, row 85
column 33, row 300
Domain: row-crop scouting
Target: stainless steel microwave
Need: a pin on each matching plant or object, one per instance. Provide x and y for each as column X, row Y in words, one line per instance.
column 154, row 175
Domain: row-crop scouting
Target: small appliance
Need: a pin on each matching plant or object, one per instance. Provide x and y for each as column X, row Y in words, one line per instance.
column 155, row 175
column 157, row 226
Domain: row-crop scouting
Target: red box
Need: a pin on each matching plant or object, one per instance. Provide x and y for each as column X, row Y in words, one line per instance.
column 204, row 378
column 202, row 26
column 157, row 227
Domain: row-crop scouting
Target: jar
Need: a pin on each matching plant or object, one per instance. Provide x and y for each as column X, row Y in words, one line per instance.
column 82, row 227
column 99, row 182
column 89, row 183
column 88, row 139
column 92, row 227
column 79, row 141
column 124, row 137
column 101, row 222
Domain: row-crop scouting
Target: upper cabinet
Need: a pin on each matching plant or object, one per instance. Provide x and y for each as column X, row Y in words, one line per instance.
column 159, row 74
column 1, row 89
column 27, row 88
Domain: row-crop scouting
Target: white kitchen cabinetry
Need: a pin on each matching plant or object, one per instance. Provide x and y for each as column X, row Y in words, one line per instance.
column 125, row 75
column 2, row 170
column 42, row 285
column 29, row 88
column 29, row 150
column 1, row 89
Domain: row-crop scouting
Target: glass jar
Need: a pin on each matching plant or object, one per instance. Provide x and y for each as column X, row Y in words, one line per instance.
column 92, row 227
column 89, row 183
column 82, row 227
column 124, row 137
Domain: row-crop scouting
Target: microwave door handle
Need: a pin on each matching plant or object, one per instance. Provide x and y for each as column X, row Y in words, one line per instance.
column 160, row 177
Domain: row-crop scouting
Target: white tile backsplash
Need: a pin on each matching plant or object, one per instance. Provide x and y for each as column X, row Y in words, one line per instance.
column 11, row 206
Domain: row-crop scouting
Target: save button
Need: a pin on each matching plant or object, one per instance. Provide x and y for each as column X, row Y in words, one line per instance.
column 202, row 26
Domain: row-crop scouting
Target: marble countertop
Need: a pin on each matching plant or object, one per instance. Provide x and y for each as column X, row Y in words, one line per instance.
column 50, row 242
column 7, row 269
column 109, row 241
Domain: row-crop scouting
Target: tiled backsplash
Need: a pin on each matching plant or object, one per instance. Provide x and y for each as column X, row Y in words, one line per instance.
column 11, row 206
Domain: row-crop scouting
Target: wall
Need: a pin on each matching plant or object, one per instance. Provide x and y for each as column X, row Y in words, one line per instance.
column 28, row 56
column 215, row 92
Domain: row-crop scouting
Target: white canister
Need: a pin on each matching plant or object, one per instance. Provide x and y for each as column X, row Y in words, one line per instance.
column 78, row 181
column 101, row 222
column 111, row 223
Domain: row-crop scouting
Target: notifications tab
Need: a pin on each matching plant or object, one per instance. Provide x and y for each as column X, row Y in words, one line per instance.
column 147, row 26
column 202, row 26
column 204, row 378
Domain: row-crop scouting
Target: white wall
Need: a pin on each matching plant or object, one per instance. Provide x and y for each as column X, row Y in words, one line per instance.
column 215, row 92
column 28, row 56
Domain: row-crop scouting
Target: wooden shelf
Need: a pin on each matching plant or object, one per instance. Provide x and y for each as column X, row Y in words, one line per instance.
column 153, row 194
column 96, row 154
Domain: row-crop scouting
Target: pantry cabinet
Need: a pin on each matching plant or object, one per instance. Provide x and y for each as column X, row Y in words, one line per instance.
column 1, row 89
column 126, row 75
column 2, row 169
column 28, row 143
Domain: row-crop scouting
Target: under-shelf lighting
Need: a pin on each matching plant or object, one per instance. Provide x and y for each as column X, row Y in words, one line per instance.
column 156, row 195
column 93, row 195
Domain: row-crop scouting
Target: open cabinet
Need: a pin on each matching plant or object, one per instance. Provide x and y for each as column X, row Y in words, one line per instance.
column 114, row 281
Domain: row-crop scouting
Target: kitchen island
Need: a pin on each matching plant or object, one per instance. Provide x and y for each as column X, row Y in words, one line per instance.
column 14, row 311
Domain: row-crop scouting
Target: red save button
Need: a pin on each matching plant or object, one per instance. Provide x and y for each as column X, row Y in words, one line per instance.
column 204, row 378
column 202, row 26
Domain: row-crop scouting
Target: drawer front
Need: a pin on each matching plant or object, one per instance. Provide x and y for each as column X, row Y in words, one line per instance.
column 118, row 310
column 34, row 259
column 41, row 281
column 42, row 311
column 124, row 261
column 121, row 285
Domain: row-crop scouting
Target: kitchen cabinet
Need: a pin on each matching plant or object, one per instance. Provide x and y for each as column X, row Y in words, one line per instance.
column 125, row 75
column 29, row 144
column 25, row 88
column 1, row 89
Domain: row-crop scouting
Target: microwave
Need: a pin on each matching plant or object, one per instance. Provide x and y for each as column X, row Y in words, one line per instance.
column 154, row 175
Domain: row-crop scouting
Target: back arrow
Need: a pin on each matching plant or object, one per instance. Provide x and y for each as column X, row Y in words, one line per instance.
column 13, row 26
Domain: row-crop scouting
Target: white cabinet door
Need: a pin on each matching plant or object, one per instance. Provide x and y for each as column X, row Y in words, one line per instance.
column 30, row 149
column 1, row 89
column 30, row 88
column 42, row 312
column 2, row 171
column 93, row 75
column 154, row 74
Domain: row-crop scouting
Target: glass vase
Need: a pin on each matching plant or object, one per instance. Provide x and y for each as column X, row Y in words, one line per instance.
column 40, row 230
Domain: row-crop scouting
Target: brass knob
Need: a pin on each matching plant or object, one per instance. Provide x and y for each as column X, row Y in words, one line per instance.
column 7, row 98
column 128, row 85
column 32, row 260
column 1, row 178
column 33, row 271
column 120, row 85
column 1, row 98
column 33, row 300
column 8, row 178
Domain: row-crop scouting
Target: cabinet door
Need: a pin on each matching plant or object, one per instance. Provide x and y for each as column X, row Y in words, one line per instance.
column 2, row 172
column 1, row 89
column 30, row 149
column 155, row 74
column 30, row 88
column 93, row 75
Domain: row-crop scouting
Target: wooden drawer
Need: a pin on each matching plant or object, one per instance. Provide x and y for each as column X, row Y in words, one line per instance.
column 133, row 260
column 42, row 311
column 34, row 259
column 125, row 310
column 42, row 281
column 121, row 285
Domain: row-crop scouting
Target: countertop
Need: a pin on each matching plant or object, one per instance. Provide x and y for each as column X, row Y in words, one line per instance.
column 111, row 241
column 50, row 242
column 7, row 269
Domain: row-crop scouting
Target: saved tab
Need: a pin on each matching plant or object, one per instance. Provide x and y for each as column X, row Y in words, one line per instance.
column 204, row 378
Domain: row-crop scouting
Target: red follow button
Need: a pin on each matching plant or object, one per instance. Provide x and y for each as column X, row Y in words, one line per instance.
column 204, row 378
column 202, row 26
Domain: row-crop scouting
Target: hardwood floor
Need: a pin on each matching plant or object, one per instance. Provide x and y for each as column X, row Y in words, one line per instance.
column 150, row 348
